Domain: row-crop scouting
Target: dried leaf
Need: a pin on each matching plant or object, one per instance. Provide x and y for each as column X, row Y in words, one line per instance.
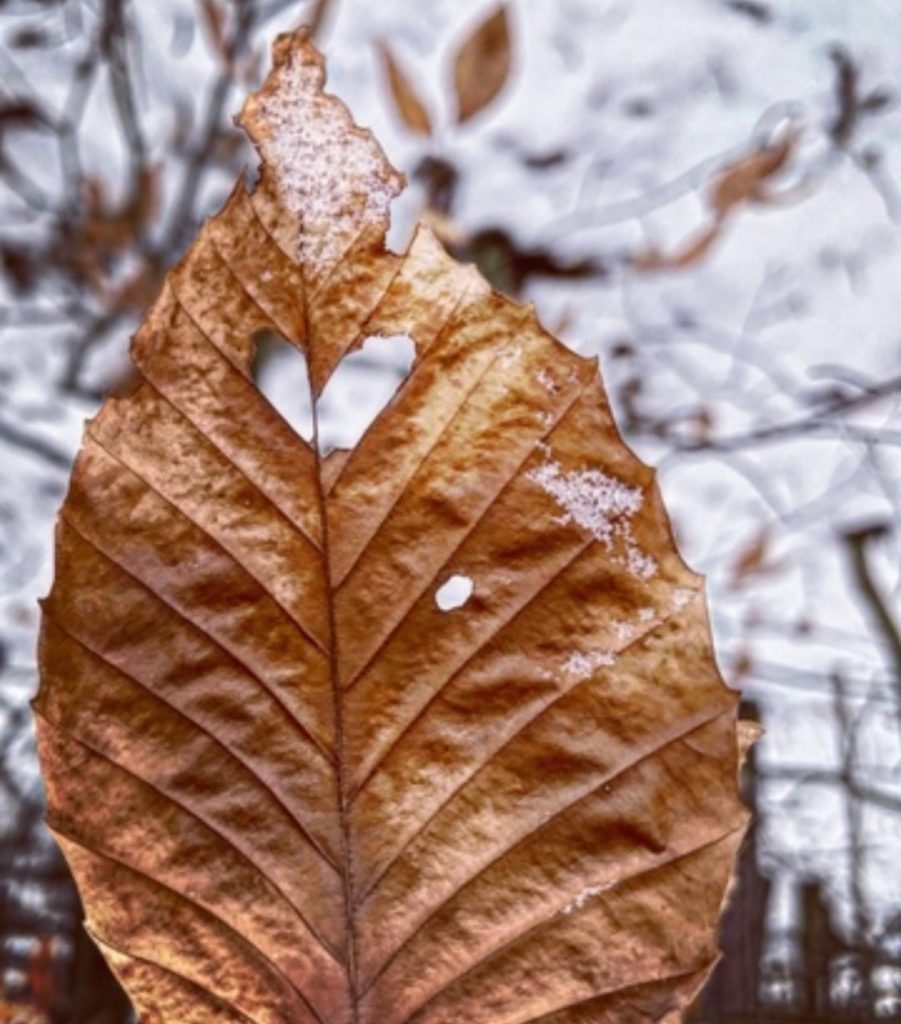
column 753, row 560
column 290, row 786
column 482, row 65
column 744, row 180
column 409, row 106
column 740, row 183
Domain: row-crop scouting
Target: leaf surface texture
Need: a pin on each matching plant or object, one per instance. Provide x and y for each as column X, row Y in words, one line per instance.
column 291, row 787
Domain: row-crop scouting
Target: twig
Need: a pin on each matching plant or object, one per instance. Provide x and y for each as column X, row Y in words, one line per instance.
column 81, row 349
column 181, row 225
column 857, row 541
column 113, row 48
column 317, row 18
column 813, row 424
column 28, row 442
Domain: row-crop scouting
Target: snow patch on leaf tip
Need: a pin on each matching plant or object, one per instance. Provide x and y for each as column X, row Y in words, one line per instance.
column 331, row 174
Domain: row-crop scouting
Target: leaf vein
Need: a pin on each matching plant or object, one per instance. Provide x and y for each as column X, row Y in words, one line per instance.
column 196, row 815
column 163, row 700
column 295, row 721
column 230, row 929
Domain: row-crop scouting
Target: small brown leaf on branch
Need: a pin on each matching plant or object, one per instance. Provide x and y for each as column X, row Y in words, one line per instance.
column 744, row 181
column 330, row 792
column 739, row 184
column 482, row 65
column 407, row 103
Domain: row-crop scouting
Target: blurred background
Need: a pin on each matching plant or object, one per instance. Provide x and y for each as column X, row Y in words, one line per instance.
column 704, row 193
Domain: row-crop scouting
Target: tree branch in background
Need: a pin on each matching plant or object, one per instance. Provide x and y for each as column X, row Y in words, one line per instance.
column 27, row 441
column 857, row 541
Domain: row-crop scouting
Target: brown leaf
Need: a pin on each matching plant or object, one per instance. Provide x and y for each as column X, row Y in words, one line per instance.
column 482, row 65
column 743, row 181
column 738, row 184
column 409, row 106
column 293, row 788
column 754, row 560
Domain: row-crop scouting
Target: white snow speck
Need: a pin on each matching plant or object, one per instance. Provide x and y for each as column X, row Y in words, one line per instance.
column 547, row 381
column 589, row 497
column 454, row 593
column 511, row 356
column 681, row 598
column 639, row 563
column 646, row 614
column 584, row 896
column 582, row 666
column 624, row 630
column 600, row 504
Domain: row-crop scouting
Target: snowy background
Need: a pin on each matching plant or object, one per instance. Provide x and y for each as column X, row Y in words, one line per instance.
column 762, row 378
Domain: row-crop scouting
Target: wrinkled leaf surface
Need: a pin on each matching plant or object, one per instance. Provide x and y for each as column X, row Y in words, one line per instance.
column 291, row 787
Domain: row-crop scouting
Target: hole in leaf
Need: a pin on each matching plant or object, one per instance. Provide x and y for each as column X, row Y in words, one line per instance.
column 362, row 385
column 454, row 593
column 279, row 370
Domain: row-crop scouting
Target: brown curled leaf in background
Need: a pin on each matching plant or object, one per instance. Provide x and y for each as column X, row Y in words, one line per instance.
column 410, row 108
column 745, row 181
column 482, row 65
column 291, row 787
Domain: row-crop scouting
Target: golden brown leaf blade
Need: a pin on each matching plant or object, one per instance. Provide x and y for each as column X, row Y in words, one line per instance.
column 325, row 798
column 407, row 102
column 482, row 64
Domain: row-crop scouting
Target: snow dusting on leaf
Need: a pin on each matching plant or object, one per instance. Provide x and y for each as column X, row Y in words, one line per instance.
column 582, row 666
column 600, row 504
column 332, row 175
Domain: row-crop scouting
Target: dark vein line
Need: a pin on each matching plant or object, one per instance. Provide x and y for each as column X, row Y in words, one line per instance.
column 455, row 415
column 231, row 929
column 442, row 331
column 495, row 634
column 676, row 976
column 226, row 355
column 295, row 526
column 270, row 316
column 361, row 334
column 198, row 628
column 628, row 766
column 162, row 699
column 329, row 277
column 507, row 483
column 499, row 631
column 350, row 959
column 559, row 914
column 196, row 815
column 182, row 978
column 302, row 629
column 291, row 258
column 338, row 715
